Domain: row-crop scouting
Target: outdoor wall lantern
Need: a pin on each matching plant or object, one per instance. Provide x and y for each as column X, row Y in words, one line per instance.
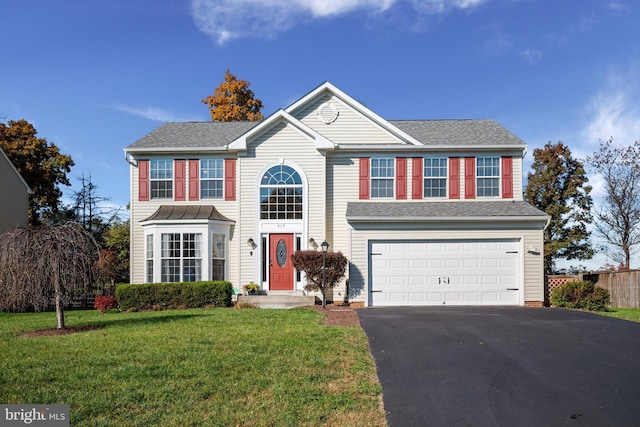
column 313, row 243
column 252, row 245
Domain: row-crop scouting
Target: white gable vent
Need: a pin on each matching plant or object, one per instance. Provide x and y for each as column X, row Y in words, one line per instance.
column 327, row 113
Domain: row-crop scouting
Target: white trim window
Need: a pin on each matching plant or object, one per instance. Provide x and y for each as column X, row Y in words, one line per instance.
column 211, row 178
column 161, row 178
column 181, row 257
column 218, row 245
column 149, row 258
column 435, row 177
column 382, row 177
column 281, row 191
column 488, row 176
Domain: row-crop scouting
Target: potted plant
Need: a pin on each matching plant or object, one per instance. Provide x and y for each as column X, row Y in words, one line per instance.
column 250, row 288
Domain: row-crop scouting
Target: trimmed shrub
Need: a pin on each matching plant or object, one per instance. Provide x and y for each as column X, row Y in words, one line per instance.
column 173, row 295
column 104, row 303
column 582, row 295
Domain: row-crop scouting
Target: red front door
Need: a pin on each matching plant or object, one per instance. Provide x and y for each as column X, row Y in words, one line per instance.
column 281, row 272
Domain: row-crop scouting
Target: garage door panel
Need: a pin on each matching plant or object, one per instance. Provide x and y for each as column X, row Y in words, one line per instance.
column 468, row 272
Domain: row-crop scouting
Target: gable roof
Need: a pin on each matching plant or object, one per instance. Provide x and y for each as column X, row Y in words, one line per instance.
column 15, row 170
column 414, row 134
column 516, row 210
column 357, row 106
column 320, row 141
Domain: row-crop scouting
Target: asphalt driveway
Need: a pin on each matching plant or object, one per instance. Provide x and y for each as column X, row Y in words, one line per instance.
column 505, row 366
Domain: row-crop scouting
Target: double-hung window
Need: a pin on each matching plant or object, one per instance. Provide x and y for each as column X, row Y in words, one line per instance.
column 149, row 258
column 435, row 177
column 181, row 258
column 488, row 176
column 161, row 178
column 217, row 256
column 382, row 177
column 211, row 178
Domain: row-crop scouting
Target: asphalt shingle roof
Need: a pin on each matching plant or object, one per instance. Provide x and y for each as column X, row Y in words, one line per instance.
column 458, row 132
column 441, row 210
column 193, row 135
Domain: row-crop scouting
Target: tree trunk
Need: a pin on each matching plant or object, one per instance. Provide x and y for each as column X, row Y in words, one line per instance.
column 324, row 298
column 59, row 311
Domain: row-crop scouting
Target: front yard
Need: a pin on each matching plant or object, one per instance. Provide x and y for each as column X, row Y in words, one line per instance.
column 622, row 313
column 193, row 368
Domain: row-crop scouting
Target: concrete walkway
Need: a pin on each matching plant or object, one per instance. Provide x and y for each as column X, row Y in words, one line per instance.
column 505, row 366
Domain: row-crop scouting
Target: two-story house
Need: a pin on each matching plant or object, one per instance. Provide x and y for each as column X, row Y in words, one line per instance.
column 426, row 211
column 14, row 194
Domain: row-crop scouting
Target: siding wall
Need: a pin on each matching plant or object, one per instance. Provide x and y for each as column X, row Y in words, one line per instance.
column 282, row 143
column 349, row 128
column 14, row 208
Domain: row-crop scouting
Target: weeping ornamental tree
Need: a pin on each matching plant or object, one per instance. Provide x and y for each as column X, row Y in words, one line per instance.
column 320, row 275
column 44, row 263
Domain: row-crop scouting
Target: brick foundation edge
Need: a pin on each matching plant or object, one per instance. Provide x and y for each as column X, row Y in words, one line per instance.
column 533, row 304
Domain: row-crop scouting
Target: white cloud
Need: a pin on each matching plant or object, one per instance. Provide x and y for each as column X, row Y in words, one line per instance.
column 615, row 111
column 156, row 114
column 225, row 20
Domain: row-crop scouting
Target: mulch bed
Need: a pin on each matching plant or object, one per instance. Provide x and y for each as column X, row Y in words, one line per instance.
column 56, row 332
column 337, row 315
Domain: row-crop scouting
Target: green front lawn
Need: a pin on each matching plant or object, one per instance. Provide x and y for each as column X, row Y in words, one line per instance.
column 192, row 368
column 622, row 313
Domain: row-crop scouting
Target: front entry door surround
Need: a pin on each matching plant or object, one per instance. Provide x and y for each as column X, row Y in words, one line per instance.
column 281, row 271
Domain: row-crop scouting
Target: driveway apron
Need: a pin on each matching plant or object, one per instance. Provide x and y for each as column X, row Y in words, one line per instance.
column 505, row 366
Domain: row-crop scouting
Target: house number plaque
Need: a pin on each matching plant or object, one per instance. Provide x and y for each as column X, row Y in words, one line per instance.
column 281, row 253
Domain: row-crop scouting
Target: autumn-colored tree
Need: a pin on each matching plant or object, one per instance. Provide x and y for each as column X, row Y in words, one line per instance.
column 558, row 186
column 233, row 101
column 618, row 212
column 40, row 163
column 322, row 273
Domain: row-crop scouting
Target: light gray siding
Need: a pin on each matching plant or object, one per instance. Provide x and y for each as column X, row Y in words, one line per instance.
column 14, row 194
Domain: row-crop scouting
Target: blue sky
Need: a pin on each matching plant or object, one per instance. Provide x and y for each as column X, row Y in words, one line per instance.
column 95, row 76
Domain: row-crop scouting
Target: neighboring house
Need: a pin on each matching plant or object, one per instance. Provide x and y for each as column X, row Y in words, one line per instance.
column 14, row 193
column 426, row 211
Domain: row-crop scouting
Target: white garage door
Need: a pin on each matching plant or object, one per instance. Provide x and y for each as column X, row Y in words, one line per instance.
column 460, row 272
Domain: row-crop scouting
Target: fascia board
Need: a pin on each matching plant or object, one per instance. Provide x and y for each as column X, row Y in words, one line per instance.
column 358, row 107
column 190, row 150
column 429, row 148
column 483, row 219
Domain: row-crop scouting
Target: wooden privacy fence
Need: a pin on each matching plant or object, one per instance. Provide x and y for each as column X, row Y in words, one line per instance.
column 623, row 286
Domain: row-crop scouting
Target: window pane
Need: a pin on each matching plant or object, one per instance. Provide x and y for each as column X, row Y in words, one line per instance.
column 211, row 178
column 488, row 176
column 170, row 270
column 218, row 269
column 382, row 177
column 281, row 194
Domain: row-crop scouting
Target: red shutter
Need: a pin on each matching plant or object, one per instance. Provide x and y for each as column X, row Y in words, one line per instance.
column 507, row 177
column 364, row 178
column 454, row 177
column 143, row 180
column 179, row 166
column 229, row 179
column 194, row 180
column 470, row 178
column 416, row 178
column 401, row 178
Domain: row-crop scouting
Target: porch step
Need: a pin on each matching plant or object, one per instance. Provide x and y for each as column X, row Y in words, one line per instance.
column 278, row 300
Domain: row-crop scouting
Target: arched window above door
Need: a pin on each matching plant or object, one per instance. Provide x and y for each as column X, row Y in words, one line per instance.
column 281, row 191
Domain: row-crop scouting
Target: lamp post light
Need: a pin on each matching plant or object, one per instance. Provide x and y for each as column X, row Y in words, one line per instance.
column 325, row 248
